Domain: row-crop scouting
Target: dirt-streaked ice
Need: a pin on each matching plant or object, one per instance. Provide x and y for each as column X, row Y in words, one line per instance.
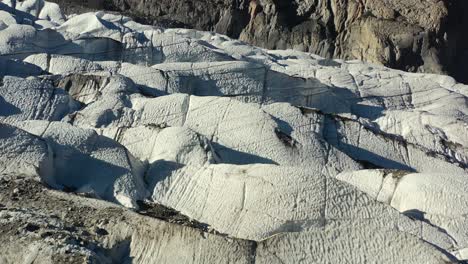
column 277, row 156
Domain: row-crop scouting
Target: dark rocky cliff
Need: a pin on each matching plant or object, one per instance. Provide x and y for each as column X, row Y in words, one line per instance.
column 411, row 35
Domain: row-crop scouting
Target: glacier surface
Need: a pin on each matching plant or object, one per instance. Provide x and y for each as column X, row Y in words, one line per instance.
column 294, row 157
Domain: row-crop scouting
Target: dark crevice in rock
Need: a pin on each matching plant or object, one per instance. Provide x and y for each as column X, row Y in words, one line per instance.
column 170, row 215
column 285, row 138
column 455, row 54
column 253, row 252
column 367, row 164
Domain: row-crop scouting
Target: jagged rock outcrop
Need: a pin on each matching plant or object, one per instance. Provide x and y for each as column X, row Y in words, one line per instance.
column 416, row 36
column 231, row 152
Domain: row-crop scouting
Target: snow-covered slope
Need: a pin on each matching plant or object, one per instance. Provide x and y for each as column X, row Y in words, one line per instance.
column 283, row 148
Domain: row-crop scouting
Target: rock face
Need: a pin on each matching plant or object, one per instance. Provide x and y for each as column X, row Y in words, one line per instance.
column 129, row 143
column 416, row 36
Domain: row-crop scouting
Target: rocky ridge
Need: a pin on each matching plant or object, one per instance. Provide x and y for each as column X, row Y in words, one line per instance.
column 123, row 142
